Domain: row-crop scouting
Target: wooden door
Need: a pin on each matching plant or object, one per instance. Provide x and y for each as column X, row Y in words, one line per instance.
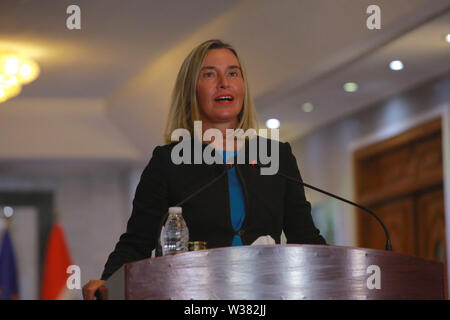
column 398, row 216
column 430, row 225
column 401, row 179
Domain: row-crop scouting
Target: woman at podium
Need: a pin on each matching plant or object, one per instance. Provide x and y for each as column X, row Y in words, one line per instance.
column 212, row 117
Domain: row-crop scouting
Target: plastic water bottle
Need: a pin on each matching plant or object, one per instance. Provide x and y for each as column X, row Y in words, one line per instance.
column 175, row 236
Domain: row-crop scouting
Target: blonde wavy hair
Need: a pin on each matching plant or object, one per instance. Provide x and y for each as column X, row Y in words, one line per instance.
column 184, row 108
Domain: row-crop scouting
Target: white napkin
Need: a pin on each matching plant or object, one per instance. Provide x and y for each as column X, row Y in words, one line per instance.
column 263, row 241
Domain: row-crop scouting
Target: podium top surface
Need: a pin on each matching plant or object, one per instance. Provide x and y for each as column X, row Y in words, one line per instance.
column 285, row 272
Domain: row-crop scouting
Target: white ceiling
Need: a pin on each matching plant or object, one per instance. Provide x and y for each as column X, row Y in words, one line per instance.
column 425, row 56
column 128, row 54
column 117, row 38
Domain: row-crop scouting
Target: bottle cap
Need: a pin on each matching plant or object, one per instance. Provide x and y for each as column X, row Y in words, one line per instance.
column 175, row 210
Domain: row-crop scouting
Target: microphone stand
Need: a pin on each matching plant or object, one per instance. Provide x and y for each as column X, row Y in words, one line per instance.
column 388, row 246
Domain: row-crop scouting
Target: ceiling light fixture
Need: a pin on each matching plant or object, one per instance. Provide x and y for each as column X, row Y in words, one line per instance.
column 273, row 123
column 350, row 86
column 396, row 65
column 308, row 107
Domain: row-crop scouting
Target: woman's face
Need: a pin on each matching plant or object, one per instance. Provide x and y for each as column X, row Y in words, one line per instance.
column 220, row 88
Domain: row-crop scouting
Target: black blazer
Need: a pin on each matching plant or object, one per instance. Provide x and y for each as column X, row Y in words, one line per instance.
column 272, row 204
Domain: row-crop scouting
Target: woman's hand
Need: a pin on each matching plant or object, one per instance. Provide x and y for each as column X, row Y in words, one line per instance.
column 95, row 288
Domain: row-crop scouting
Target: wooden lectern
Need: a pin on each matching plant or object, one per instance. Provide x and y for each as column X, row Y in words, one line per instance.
column 280, row 272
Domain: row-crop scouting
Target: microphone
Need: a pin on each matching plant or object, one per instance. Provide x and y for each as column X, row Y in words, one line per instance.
column 190, row 196
column 388, row 246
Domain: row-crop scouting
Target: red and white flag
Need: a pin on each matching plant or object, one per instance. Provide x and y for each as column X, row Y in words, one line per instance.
column 57, row 259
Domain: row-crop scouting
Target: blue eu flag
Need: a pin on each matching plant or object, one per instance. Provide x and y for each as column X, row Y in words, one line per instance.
column 8, row 272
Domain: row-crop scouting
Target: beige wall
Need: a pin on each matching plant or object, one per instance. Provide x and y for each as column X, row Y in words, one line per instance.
column 93, row 209
column 325, row 155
